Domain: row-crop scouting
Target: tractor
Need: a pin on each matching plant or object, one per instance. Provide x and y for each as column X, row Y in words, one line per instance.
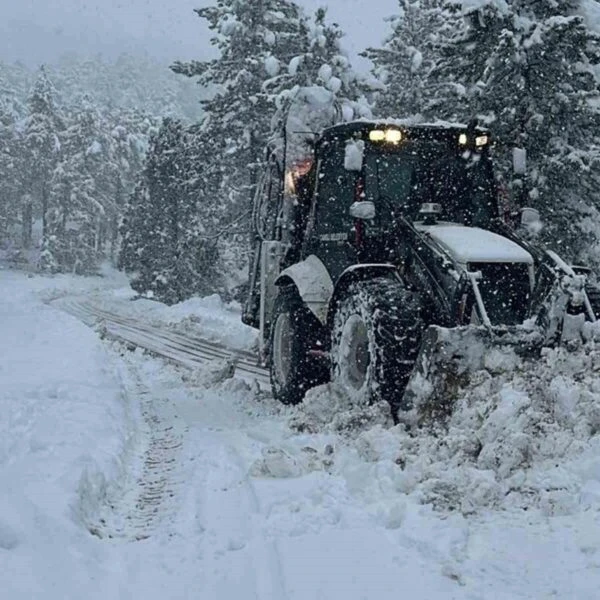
column 384, row 241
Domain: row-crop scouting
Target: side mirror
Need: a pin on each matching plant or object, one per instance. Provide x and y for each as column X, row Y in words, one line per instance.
column 519, row 161
column 364, row 210
column 530, row 220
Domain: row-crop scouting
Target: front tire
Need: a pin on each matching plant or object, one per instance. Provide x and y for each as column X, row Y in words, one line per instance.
column 375, row 341
column 294, row 333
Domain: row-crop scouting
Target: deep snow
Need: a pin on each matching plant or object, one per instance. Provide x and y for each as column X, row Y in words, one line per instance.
column 232, row 496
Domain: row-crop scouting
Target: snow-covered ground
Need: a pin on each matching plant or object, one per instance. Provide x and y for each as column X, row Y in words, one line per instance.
column 208, row 317
column 122, row 476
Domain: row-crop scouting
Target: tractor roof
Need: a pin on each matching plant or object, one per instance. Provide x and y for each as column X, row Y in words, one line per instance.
column 439, row 130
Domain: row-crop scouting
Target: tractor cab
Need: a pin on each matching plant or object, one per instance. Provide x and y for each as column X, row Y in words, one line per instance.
column 338, row 196
column 400, row 168
column 417, row 172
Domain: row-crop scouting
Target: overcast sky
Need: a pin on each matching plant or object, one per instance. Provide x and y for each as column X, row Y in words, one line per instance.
column 36, row 31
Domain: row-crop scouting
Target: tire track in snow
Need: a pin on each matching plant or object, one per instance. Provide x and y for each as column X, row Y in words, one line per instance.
column 232, row 530
column 132, row 510
column 189, row 351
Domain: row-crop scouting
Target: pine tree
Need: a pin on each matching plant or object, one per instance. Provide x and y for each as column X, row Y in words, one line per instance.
column 133, row 228
column 168, row 242
column 10, row 174
column 39, row 153
column 198, row 261
column 407, row 62
column 159, row 196
column 82, row 193
column 531, row 77
column 253, row 38
column 101, row 117
column 319, row 87
column 463, row 50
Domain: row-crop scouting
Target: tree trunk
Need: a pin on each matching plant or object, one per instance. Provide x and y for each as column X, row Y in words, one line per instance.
column 44, row 198
column 27, row 221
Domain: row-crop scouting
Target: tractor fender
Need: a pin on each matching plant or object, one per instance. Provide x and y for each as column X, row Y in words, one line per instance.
column 313, row 282
column 358, row 272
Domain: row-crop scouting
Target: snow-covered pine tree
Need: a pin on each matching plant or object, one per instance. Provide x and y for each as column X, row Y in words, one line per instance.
column 253, row 38
column 133, row 228
column 16, row 82
column 318, row 87
column 158, row 251
column 463, row 47
column 124, row 100
column 200, row 240
column 10, row 174
column 169, row 243
column 531, row 76
column 39, row 153
column 82, row 193
column 408, row 60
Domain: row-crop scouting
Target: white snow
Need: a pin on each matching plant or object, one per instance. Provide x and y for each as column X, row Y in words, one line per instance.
column 417, row 60
column 347, row 112
column 354, row 153
column 294, row 65
column 469, row 6
column 325, row 73
column 208, row 317
column 471, row 244
column 590, row 9
column 334, row 84
column 230, row 495
column 270, row 38
column 94, row 148
column 272, row 66
column 313, row 282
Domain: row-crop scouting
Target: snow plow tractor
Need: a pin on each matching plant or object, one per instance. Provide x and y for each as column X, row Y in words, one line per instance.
column 383, row 261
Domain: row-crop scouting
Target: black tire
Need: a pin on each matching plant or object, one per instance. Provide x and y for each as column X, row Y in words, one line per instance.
column 294, row 332
column 376, row 334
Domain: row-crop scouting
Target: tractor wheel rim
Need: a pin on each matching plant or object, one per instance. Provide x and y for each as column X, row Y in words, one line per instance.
column 282, row 347
column 354, row 353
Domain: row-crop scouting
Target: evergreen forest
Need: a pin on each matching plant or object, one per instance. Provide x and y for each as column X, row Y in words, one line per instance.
column 154, row 168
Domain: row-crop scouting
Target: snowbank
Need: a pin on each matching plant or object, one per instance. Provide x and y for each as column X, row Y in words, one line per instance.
column 64, row 428
column 209, row 318
column 522, row 435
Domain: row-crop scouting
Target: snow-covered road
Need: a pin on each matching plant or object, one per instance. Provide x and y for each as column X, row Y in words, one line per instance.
column 125, row 476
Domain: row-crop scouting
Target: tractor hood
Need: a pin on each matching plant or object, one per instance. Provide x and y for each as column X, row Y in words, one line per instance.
column 475, row 245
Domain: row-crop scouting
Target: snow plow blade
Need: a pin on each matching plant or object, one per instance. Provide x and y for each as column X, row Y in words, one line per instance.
column 449, row 356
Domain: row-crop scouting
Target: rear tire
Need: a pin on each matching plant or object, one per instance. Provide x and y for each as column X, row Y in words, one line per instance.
column 375, row 341
column 294, row 332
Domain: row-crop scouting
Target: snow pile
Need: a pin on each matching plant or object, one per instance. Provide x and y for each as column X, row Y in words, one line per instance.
column 64, row 429
column 525, row 437
column 213, row 319
column 327, row 408
column 281, row 463
column 517, row 434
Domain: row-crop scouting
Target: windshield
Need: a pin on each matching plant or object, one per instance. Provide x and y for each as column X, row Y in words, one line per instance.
column 462, row 184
